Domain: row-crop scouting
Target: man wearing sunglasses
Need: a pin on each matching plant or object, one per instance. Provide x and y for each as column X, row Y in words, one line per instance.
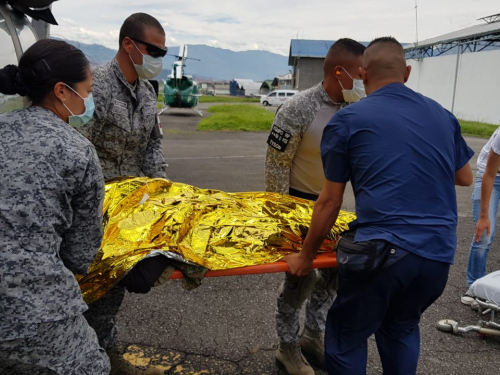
column 125, row 132
column 124, row 129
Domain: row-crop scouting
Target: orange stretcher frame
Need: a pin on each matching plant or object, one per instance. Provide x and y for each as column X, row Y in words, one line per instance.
column 324, row 260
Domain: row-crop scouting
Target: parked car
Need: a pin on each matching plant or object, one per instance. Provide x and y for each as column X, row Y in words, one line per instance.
column 277, row 97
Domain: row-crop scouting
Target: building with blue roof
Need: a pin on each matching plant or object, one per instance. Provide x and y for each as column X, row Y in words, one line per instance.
column 307, row 57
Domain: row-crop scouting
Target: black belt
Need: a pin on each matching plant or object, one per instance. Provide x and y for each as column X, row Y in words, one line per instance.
column 300, row 194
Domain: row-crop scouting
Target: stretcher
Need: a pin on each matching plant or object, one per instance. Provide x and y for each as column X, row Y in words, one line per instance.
column 324, row 260
column 486, row 292
column 229, row 233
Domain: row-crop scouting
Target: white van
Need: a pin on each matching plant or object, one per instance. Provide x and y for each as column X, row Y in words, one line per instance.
column 277, row 97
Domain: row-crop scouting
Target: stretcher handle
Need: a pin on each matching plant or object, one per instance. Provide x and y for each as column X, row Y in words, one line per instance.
column 324, row 260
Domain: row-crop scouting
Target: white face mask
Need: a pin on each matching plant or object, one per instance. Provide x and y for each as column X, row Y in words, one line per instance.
column 151, row 66
column 356, row 93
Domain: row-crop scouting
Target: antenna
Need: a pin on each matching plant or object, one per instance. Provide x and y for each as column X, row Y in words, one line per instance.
column 416, row 24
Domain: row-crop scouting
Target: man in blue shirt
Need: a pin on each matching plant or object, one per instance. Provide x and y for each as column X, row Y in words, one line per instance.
column 403, row 154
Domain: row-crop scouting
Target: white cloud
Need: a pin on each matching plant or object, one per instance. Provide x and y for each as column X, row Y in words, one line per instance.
column 269, row 25
column 213, row 43
column 67, row 21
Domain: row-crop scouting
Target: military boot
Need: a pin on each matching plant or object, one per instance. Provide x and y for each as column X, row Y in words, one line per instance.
column 312, row 344
column 120, row 366
column 289, row 359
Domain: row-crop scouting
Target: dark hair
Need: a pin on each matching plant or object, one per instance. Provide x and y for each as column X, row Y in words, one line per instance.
column 44, row 64
column 134, row 26
column 346, row 45
column 385, row 39
column 338, row 50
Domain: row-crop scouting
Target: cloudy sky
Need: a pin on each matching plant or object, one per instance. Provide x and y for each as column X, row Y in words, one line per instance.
column 269, row 24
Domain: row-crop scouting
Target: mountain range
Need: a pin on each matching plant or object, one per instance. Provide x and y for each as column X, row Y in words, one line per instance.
column 216, row 63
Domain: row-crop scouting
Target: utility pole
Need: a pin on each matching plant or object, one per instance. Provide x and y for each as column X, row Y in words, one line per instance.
column 416, row 24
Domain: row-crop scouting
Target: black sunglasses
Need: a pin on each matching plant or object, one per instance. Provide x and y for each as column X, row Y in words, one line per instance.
column 153, row 50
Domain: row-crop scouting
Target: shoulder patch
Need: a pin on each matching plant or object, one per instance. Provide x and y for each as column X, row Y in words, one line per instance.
column 278, row 138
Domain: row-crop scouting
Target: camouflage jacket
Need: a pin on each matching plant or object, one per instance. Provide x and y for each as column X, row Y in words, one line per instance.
column 293, row 155
column 52, row 191
column 124, row 129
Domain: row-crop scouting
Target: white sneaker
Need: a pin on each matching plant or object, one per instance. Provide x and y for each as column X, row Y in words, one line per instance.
column 467, row 300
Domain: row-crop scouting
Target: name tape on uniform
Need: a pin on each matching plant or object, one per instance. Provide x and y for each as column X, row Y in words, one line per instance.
column 278, row 138
column 119, row 107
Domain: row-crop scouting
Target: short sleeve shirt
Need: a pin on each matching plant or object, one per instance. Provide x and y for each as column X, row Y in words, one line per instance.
column 493, row 144
column 400, row 150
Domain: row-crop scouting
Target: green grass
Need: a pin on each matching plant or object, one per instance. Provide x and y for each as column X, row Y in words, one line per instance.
column 477, row 129
column 159, row 102
column 227, row 99
column 237, row 117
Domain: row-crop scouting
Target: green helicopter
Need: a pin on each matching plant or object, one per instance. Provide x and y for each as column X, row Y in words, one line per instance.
column 179, row 90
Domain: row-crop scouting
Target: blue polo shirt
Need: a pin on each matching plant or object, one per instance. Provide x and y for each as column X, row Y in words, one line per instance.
column 400, row 150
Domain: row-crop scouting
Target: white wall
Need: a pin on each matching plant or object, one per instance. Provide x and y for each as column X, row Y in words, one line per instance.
column 477, row 96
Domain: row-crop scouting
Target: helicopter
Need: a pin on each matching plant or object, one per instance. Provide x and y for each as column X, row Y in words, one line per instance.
column 180, row 90
column 18, row 33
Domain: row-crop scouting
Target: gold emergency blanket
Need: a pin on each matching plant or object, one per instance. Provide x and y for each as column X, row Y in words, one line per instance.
column 211, row 228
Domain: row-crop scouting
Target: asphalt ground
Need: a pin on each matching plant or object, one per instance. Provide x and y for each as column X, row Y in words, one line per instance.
column 226, row 326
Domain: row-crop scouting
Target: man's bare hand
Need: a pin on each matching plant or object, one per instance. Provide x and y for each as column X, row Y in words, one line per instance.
column 482, row 225
column 298, row 264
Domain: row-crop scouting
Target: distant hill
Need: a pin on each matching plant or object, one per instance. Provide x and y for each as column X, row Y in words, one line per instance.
column 225, row 64
column 215, row 64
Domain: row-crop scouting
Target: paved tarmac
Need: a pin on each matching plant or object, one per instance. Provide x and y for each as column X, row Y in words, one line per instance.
column 226, row 326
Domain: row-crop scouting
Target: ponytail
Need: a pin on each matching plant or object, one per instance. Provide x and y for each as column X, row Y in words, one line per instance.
column 44, row 64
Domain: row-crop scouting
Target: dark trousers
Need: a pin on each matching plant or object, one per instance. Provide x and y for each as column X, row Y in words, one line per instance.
column 389, row 305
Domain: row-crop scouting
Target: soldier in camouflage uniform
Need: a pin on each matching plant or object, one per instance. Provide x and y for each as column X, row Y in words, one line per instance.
column 52, row 191
column 293, row 166
column 127, row 138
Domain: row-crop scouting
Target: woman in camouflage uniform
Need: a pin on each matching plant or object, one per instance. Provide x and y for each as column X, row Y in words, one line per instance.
column 52, row 190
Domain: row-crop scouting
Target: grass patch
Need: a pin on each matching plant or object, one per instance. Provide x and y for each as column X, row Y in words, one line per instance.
column 227, row 99
column 159, row 101
column 237, row 117
column 477, row 129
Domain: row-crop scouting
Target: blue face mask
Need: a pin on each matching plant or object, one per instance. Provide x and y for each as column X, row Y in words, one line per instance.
column 78, row 121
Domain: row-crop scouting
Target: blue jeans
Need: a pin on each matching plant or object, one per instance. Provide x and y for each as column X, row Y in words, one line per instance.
column 389, row 305
column 478, row 253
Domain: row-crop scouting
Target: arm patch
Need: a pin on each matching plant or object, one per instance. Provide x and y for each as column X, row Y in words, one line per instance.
column 278, row 138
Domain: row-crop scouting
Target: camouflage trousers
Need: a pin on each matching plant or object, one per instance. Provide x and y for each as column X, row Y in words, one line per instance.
column 66, row 347
column 101, row 316
column 317, row 306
